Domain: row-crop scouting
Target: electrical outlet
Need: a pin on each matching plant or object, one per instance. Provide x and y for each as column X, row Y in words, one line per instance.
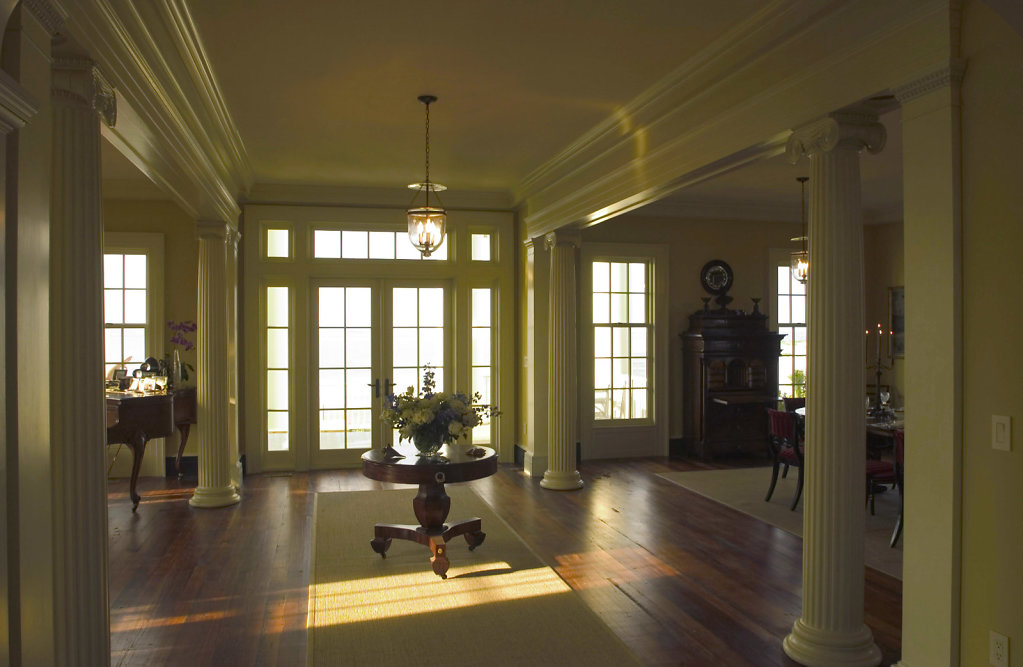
column 999, row 650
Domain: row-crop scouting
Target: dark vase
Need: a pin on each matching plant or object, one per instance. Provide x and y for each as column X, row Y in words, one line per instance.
column 428, row 443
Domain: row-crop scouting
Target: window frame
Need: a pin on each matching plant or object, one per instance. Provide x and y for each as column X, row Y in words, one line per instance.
column 781, row 258
column 150, row 244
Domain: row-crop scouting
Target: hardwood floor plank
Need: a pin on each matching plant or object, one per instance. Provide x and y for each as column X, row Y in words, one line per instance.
column 680, row 578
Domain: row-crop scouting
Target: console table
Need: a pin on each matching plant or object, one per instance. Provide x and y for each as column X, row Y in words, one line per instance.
column 431, row 504
column 135, row 419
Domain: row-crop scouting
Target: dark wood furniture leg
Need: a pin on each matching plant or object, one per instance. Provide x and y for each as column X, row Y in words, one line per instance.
column 431, row 506
column 183, row 429
column 137, row 443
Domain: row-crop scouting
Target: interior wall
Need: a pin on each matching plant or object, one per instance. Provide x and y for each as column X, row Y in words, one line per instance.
column 691, row 244
column 992, row 102
column 884, row 267
column 180, row 281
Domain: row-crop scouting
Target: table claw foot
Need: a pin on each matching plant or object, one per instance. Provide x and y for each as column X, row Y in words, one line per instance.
column 381, row 545
column 475, row 538
column 439, row 560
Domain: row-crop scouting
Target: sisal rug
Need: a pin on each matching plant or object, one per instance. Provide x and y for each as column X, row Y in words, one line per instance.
column 500, row 605
column 744, row 489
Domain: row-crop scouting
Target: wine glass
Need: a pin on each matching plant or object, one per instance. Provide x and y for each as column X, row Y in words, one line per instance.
column 885, row 396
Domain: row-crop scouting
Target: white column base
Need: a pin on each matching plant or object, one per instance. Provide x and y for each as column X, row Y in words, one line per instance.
column 562, row 481
column 213, row 498
column 816, row 648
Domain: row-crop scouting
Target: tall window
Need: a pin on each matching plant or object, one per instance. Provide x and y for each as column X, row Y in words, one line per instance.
column 792, row 323
column 482, row 359
column 125, row 310
column 622, row 335
column 277, row 365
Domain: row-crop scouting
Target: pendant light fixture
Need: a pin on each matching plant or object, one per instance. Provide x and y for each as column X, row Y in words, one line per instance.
column 426, row 224
column 801, row 258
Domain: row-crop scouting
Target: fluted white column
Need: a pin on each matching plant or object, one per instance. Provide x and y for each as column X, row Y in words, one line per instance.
column 81, row 97
column 831, row 630
column 562, row 396
column 215, row 488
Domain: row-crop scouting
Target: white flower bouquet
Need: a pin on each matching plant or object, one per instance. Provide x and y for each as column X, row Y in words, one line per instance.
column 433, row 418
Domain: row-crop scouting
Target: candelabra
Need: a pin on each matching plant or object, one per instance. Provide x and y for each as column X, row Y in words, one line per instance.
column 879, row 367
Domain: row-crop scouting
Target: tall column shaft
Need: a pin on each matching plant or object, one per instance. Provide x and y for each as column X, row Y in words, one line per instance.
column 78, row 431
column 562, row 396
column 831, row 630
column 212, row 379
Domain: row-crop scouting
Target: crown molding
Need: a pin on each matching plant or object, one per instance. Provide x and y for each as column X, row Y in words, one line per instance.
column 178, row 132
column 708, row 110
column 285, row 194
column 193, row 53
column 717, row 210
column 947, row 75
column 17, row 106
column 51, row 14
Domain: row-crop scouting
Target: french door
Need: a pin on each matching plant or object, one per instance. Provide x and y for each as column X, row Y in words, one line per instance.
column 371, row 337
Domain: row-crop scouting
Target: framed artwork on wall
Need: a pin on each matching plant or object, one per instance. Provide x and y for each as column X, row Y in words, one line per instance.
column 897, row 322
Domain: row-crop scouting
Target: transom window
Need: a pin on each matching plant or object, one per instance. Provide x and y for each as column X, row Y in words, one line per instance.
column 622, row 334
column 359, row 244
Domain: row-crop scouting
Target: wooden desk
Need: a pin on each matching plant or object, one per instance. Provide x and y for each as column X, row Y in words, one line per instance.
column 431, row 504
column 135, row 419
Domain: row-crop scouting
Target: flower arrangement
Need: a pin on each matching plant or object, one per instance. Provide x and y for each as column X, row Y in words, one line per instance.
column 180, row 369
column 434, row 417
column 180, row 329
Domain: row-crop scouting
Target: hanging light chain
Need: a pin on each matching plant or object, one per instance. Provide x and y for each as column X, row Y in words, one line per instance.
column 802, row 203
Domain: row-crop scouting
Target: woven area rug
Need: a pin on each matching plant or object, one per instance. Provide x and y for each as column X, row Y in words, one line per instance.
column 500, row 605
column 744, row 489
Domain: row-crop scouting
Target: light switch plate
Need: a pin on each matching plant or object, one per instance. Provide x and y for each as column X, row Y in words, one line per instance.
column 1001, row 432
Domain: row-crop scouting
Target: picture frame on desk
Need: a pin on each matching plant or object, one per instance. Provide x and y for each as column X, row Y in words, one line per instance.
column 897, row 322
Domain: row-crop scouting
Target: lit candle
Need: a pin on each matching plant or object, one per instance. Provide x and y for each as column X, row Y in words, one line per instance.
column 879, row 344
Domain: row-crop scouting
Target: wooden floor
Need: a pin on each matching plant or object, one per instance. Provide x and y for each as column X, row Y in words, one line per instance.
column 681, row 579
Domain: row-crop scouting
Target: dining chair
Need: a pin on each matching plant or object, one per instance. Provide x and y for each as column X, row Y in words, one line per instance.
column 785, row 448
column 793, row 402
column 891, row 473
column 900, row 471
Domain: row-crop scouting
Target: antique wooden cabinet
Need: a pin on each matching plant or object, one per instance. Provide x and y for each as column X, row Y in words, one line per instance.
column 730, row 378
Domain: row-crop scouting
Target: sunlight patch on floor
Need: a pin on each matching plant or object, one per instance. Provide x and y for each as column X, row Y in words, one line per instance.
column 130, row 622
column 376, row 598
column 601, row 568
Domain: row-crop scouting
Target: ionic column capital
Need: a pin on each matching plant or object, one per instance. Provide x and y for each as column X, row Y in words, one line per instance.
column 850, row 129
column 77, row 81
column 562, row 237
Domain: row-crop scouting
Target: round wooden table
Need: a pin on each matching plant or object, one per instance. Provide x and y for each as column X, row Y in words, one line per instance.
column 431, row 504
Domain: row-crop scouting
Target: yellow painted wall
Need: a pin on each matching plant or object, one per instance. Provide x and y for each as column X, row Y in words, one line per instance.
column 180, row 284
column 992, row 109
column 744, row 245
column 884, row 267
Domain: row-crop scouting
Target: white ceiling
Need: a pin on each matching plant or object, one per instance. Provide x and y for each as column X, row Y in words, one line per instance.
column 324, row 93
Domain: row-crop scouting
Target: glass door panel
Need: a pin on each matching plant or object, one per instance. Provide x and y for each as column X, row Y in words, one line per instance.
column 367, row 334
column 345, row 335
column 418, row 335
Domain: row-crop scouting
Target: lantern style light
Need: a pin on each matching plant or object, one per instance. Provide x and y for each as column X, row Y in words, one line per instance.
column 427, row 224
column 801, row 258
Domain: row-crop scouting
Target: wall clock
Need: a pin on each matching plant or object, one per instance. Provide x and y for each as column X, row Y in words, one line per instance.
column 716, row 277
